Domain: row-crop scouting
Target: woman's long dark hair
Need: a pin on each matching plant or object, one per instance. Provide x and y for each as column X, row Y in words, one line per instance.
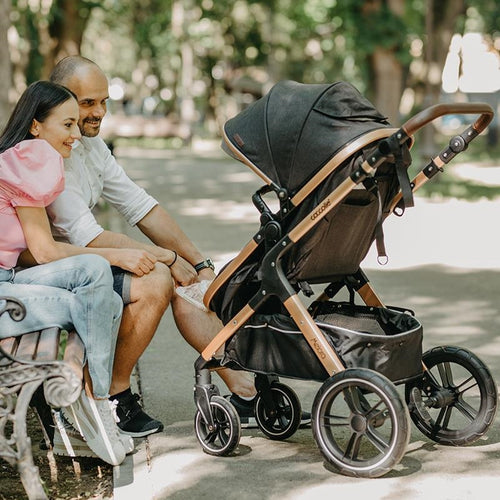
column 36, row 102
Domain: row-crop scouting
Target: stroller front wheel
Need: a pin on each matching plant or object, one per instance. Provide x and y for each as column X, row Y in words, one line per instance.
column 360, row 423
column 224, row 436
column 283, row 420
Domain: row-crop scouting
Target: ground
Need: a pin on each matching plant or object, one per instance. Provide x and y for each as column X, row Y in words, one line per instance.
column 63, row 477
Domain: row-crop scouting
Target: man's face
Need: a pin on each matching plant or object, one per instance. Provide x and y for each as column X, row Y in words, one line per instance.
column 91, row 89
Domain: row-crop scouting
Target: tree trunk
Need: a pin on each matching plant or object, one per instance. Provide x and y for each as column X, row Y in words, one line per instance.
column 5, row 63
column 66, row 31
column 388, row 83
column 440, row 22
column 180, row 22
column 385, row 67
column 269, row 36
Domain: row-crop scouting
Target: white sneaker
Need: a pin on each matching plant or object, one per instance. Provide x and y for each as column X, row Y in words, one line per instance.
column 68, row 442
column 94, row 419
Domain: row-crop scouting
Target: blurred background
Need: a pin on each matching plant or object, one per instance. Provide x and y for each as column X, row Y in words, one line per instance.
column 178, row 69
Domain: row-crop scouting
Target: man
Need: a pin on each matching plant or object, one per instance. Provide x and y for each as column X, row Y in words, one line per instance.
column 92, row 172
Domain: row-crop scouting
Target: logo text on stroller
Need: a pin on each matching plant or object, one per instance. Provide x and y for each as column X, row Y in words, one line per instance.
column 321, row 209
column 318, row 349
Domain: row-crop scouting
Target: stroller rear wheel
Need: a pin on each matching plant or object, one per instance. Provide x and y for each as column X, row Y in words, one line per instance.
column 455, row 401
column 283, row 420
column 360, row 423
column 224, row 437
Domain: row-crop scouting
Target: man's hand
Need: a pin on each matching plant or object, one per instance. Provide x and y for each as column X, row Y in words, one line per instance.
column 183, row 272
column 206, row 274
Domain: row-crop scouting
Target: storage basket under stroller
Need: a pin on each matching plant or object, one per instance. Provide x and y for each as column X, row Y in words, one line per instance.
column 382, row 339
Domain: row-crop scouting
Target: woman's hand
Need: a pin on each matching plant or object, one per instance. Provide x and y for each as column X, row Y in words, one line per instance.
column 138, row 262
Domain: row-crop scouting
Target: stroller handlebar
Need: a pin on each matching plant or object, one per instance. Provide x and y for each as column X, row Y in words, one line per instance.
column 433, row 112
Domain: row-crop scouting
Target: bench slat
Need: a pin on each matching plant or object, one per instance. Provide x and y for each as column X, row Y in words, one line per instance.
column 27, row 346
column 9, row 344
column 48, row 344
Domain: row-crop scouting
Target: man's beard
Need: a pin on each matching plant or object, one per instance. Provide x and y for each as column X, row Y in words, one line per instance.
column 88, row 130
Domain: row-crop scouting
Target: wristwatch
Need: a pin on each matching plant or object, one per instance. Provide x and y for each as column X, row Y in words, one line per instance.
column 204, row 264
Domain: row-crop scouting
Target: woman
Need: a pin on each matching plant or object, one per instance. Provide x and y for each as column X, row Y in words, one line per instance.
column 71, row 286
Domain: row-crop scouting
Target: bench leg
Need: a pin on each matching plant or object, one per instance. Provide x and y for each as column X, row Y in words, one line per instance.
column 44, row 414
column 27, row 470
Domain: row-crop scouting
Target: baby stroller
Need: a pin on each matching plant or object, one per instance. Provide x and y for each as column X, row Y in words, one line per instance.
column 336, row 169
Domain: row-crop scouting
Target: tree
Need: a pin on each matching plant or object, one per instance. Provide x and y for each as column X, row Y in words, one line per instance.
column 68, row 20
column 49, row 31
column 5, row 63
column 381, row 34
column 200, row 59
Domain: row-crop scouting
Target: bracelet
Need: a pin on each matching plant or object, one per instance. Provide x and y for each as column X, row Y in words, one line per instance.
column 175, row 259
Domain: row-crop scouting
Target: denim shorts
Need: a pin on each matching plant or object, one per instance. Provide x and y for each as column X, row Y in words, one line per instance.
column 121, row 283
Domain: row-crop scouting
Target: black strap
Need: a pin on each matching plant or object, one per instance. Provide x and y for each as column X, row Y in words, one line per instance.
column 379, row 234
column 403, row 179
column 370, row 184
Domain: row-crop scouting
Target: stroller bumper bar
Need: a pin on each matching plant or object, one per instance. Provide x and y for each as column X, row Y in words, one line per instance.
column 462, row 108
column 457, row 144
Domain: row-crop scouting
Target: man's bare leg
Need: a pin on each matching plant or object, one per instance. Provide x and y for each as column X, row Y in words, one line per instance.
column 150, row 296
column 198, row 329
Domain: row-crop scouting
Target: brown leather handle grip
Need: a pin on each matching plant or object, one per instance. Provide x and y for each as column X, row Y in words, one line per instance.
column 463, row 108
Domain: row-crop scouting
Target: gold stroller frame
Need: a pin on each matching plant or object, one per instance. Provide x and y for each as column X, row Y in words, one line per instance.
column 277, row 284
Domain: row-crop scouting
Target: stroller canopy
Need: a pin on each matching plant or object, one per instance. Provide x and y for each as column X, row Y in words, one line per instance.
column 291, row 132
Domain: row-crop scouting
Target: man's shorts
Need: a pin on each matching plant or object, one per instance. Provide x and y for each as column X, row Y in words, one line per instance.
column 121, row 283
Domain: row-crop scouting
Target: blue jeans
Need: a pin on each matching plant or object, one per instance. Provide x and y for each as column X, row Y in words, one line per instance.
column 76, row 292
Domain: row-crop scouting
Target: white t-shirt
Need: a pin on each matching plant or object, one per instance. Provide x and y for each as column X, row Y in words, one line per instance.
column 92, row 172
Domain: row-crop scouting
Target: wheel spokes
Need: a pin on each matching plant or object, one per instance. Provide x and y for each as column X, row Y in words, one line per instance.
column 335, row 421
column 377, row 440
column 353, row 399
column 466, row 410
column 463, row 389
column 446, row 374
column 282, row 416
column 444, row 417
column 352, row 448
column 224, row 438
column 221, row 429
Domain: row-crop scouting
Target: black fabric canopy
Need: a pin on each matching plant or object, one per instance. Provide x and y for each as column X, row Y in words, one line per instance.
column 291, row 132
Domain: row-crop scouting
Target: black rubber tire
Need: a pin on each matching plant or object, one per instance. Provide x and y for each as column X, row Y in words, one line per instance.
column 225, row 437
column 469, row 410
column 286, row 421
column 360, row 423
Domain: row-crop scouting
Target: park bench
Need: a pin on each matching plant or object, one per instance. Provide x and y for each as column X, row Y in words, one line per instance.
column 36, row 369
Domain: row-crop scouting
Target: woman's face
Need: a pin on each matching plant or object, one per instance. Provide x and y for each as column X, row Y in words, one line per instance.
column 60, row 128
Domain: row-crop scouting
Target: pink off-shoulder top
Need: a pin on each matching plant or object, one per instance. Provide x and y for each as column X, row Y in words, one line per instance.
column 31, row 175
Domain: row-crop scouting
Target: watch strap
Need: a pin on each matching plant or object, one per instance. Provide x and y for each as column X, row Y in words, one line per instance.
column 207, row 263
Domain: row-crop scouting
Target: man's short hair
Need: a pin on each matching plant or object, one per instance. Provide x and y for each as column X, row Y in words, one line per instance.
column 67, row 67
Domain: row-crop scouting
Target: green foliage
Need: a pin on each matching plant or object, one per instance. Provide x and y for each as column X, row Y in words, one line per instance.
column 25, row 21
column 486, row 14
column 239, row 47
